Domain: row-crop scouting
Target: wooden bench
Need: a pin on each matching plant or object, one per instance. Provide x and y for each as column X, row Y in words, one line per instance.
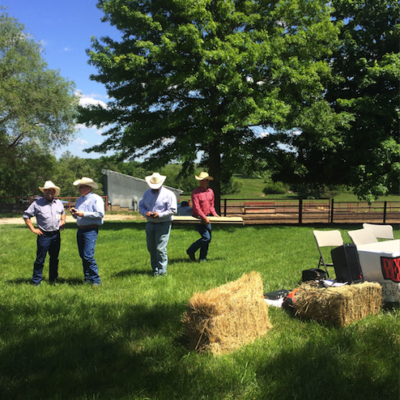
column 259, row 207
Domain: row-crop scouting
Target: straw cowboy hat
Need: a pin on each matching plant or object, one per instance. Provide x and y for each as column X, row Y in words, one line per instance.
column 156, row 180
column 204, row 176
column 51, row 185
column 86, row 182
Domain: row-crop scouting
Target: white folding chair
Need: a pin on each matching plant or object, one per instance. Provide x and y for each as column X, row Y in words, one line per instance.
column 380, row 231
column 327, row 239
column 362, row 236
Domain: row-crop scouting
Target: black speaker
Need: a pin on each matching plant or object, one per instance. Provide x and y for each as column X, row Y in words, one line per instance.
column 347, row 264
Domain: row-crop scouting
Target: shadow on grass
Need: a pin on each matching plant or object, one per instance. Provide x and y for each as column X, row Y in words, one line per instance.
column 84, row 350
column 60, row 281
column 132, row 272
column 186, row 260
column 319, row 370
column 69, row 355
column 390, row 306
column 19, row 281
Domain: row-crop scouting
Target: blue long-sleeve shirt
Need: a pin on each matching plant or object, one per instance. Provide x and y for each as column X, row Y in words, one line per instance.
column 162, row 202
column 92, row 206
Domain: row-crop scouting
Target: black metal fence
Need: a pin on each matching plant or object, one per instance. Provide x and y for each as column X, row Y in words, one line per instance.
column 275, row 211
column 311, row 211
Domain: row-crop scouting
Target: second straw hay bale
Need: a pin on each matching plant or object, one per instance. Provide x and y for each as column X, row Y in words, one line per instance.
column 227, row 317
column 340, row 305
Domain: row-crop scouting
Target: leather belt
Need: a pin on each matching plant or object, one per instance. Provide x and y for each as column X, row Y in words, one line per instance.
column 50, row 232
column 87, row 226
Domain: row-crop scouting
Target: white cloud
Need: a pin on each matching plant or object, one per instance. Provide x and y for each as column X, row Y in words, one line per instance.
column 93, row 128
column 86, row 100
column 96, row 95
column 296, row 132
column 81, row 141
column 264, row 134
column 67, row 48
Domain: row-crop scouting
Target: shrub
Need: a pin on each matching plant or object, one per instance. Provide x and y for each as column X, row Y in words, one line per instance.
column 275, row 188
column 231, row 186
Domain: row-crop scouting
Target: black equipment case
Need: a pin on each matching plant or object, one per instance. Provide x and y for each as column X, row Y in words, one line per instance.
column 347, row 264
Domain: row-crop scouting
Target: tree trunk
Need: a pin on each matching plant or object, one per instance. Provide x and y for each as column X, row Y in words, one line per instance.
column 214, row 169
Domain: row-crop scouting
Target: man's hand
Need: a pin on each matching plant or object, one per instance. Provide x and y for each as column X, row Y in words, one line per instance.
column 62, row 224
column 76, row 213
column 34, row 230
column 149, row 214
column 206, row 221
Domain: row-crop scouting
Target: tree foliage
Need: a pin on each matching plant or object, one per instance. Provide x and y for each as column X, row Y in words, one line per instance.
column 198, row 75
column 37, row 105
column 365, row 154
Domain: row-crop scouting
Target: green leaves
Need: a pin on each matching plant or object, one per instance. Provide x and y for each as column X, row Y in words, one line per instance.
column 35, row 103
column 201, row 74
column 37, row 106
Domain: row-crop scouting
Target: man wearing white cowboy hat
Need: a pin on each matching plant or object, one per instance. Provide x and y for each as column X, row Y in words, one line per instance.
column 50, row 218
column 158, row 206
column 89, row 213
column 202, row 207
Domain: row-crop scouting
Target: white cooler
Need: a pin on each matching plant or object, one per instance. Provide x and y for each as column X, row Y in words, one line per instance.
column 380, row 262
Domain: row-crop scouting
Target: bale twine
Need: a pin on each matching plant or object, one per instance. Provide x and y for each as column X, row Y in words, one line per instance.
column 339, row 305
column 227, row 317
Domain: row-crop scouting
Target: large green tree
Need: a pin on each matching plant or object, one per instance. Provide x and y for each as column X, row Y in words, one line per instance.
column 37, row 105
column 192, row 76
column 365, row 154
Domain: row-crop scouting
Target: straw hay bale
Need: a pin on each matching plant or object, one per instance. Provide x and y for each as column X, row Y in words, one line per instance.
column 227, row 317
column 339, row 305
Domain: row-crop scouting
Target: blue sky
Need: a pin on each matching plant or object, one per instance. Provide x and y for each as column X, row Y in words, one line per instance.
column 64, row 29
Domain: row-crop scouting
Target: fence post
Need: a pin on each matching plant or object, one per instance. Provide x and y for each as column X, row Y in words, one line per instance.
column 224, row 207
column 384, row 211
column 106, row 201
column 332, row 205
column 300, row 211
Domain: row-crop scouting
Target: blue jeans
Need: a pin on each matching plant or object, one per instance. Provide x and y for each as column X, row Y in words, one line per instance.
column 203, row 242
column 157, row 236
column 48, row 242
column 86, row 239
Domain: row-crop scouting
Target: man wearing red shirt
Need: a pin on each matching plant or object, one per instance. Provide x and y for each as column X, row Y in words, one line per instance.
column 203, row 207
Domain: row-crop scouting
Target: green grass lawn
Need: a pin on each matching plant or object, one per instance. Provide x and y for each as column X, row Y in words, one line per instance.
column 125, row 340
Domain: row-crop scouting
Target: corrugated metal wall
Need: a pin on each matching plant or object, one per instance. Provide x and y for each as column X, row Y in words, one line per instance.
column 127, row 191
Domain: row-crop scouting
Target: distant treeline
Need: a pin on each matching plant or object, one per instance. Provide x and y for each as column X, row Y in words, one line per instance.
column 25, row 180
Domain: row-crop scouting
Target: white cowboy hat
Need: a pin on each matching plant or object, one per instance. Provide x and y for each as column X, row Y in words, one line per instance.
column 156, row 180
column 86, row 182
column 51, row 185
column 204, row 176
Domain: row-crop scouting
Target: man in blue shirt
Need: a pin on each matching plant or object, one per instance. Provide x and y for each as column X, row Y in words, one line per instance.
column 89, row 213
column 158, row 206
column 50, row 218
